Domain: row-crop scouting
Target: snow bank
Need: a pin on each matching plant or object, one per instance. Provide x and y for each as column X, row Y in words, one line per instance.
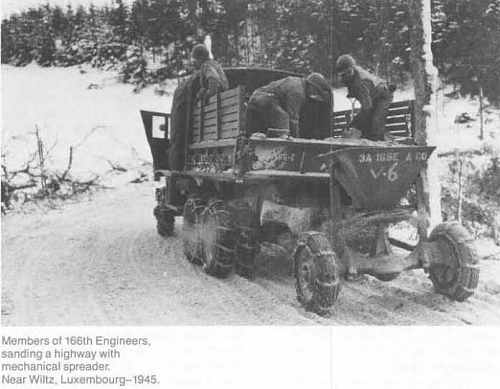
column 84, row 108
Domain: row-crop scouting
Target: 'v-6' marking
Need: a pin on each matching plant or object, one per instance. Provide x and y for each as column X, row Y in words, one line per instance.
column 391, row 174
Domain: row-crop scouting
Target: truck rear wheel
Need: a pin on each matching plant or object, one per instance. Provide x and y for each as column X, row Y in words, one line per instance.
column 193, row 210
column 165, row 217
column 316, row 272
column 218, row 238
column 454, row 265
column 247, row 245
column 164, row 221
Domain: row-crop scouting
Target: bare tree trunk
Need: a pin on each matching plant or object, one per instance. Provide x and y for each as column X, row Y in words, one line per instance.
column 460, row 189
column 41, row 159
column 425, row 82
column 481, row 108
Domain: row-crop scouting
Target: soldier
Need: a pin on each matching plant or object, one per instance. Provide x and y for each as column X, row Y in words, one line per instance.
column 373, row 94
column 212, row 77
column 208, row 79
column 302, row 106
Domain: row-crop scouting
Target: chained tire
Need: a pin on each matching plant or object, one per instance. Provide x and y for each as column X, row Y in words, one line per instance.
column 192, row 215
column 165, row 217
column 247, row 247
column 454, row 264
column 165, row 220
column 316, row 272
column 218, row 238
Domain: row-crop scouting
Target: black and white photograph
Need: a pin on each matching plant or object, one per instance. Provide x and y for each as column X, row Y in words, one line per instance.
column 250, row 163
column 250, row 190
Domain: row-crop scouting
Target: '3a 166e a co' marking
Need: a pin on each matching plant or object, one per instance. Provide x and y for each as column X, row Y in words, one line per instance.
column 394, row 157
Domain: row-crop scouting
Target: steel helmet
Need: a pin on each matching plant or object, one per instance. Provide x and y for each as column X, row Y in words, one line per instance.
column 318, row 80
column 321, row 84
column 344, row 63
column 200, row 52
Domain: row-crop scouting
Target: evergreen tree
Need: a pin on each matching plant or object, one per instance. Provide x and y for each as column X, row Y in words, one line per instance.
column 467, row 44
column 297, row 35
column 7, row 41
column 118, row 20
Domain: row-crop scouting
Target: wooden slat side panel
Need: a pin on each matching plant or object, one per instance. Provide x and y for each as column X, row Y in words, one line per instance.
column 202, row 123
column 232, row 117
column 342, row 113
column 206, row 108
column 196, row 127
column 399, row 110
column 398, row 121
column 399, row 133
column 233, row 101
column 209, row 123
column 397, row 128
column 340, row 119
column 217, row 115
column 229, row 133
column 395, row 119
column 223, row 118
column 230, row 93
column 404, row 103
column 395, row 105
column 196, row 135
column 229, row 126
column 242, row 120
column 213, row 144
column 209, row 129
column 391, row 128
column 229, row 109
column 207, row 115
column 210, row 136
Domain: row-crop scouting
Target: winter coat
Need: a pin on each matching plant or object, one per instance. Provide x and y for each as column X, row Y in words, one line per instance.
column 212, row 79
column 283, row 104
column 374, row 97
column 206, row 82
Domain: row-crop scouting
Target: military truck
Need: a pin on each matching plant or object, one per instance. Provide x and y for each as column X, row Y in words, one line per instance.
column 336, row 196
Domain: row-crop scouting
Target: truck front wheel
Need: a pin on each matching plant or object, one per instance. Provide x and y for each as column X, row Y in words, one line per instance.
column 316, row 272
column 454, row 265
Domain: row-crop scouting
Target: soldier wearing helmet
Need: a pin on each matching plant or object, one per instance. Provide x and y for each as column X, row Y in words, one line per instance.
column 302, row 106
column 208, row 80
column 373, row 94
column 212, row 77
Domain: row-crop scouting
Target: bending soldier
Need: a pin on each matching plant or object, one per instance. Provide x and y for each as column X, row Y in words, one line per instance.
column 302, row 106
column 208, row 79
column 373, row 94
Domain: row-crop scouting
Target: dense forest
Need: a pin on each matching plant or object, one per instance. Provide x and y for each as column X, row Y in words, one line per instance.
column 150, row 40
